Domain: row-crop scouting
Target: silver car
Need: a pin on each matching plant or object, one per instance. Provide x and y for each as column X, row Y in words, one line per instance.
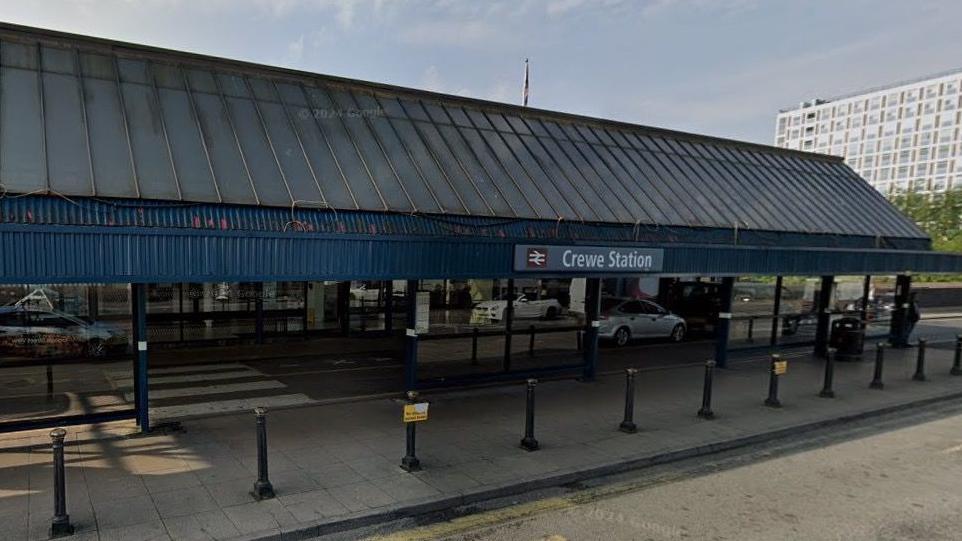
column 624, row 319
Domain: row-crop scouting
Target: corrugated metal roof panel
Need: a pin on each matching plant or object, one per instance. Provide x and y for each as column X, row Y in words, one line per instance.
column 86, row 117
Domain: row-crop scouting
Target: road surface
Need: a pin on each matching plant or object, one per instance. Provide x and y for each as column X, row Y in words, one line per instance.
column 875, row 482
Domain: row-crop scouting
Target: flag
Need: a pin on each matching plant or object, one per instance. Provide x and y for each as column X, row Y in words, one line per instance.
column 524, row 90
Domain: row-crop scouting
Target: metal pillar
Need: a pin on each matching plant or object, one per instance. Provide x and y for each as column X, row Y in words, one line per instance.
column 388, row 290
column 723, row 326
column 776, row 310
column 263, row 489
column 508, row 321
column 259, row 313
column 866, row 292
column 898, row 335
column 60, row 526
column 823, row 315
column 141, row 403
column 411, row 338
column 592, row 313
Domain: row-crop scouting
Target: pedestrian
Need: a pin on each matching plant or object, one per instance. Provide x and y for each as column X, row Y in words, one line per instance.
column 913, row 316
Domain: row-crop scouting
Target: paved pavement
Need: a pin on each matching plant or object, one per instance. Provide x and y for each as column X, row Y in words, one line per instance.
column 900, row 484
column 337, row 462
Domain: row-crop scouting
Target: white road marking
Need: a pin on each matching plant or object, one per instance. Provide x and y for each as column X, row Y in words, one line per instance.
column 227, row 406
column 128, row 383
column 206, row 390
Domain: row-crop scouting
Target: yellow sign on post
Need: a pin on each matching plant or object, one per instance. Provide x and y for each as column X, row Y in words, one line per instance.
column 780, row 367
column 417, row 412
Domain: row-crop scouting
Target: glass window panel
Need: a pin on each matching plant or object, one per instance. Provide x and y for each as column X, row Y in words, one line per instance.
column 66, row 138
column 524, row 182
column 437, row 113
column 328, row 115
column 588, row 207
column 458, row 116
column 232, row 85
column 190, row 159
column 325, row 166
column 132, row 71
column 426, row 163
column 584, row 132
column 497, row 173
column 518, row 125
column 612, row 192
column 398, row 154
column 449, row 163
column 537, row 127
column 59, row 60
column 489, row 189
column 232, row 179
column 262, row 88
column 98, row 66
column 498, row 122
column 479, row 120
column 387, row 182
column 201, row 81
column 597, row 193
column 268, row 183
column 65, row 350
column 289, row 153
column 650, row 167
column 113, row 173
column 541, row 180
column 18, row 55
column 644, row 200
column 414, row 110
column 167, row 76
column 147, row 138
column 21, row 160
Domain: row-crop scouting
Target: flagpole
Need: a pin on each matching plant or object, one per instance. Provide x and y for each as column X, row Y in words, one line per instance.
column 524, row 89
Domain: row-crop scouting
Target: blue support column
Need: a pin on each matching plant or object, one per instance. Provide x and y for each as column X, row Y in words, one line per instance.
column 723, row 326
column 823, row 314
column 592, row 312
column 776, row 313
column 141, row 403
column 411, row 338
column 898, row 328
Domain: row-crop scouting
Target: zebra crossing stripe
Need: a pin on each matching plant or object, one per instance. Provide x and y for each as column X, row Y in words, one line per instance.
column 229, row 406
column 206, row 390
column 128, row 382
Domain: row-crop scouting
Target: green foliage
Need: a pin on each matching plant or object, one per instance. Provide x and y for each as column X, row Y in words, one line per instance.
column 938, row 215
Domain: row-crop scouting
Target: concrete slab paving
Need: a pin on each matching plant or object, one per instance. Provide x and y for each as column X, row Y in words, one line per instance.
column 340, row 461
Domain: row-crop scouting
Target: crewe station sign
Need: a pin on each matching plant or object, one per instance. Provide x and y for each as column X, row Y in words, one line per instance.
column 533, row 258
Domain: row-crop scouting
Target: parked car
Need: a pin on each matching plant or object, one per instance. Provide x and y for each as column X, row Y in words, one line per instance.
column 623, row 319
column 29, row 330
column 525, row 307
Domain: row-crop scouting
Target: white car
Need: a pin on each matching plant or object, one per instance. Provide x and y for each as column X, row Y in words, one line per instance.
column 624, row 319
column 525, row 307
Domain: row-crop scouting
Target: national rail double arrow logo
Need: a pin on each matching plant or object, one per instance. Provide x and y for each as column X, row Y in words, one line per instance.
column 537, row 257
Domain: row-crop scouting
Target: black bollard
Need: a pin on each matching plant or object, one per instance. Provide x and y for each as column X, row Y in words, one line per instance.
column 827, row 391
column 410, row 462
column 879, row 361
column 60, row 525
column 528, row 443
column 957, row 361
column 531, row 342
column 628, row 424
column 920, row 361
column 705, row 412
column 772, row 401
column 263, row 489
column 474, row 346
column 751, row 329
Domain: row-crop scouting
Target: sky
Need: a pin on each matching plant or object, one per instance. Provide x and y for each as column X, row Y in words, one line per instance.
column 719, row 67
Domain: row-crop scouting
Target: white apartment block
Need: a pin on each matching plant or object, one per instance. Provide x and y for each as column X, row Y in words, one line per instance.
column 902, row 137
